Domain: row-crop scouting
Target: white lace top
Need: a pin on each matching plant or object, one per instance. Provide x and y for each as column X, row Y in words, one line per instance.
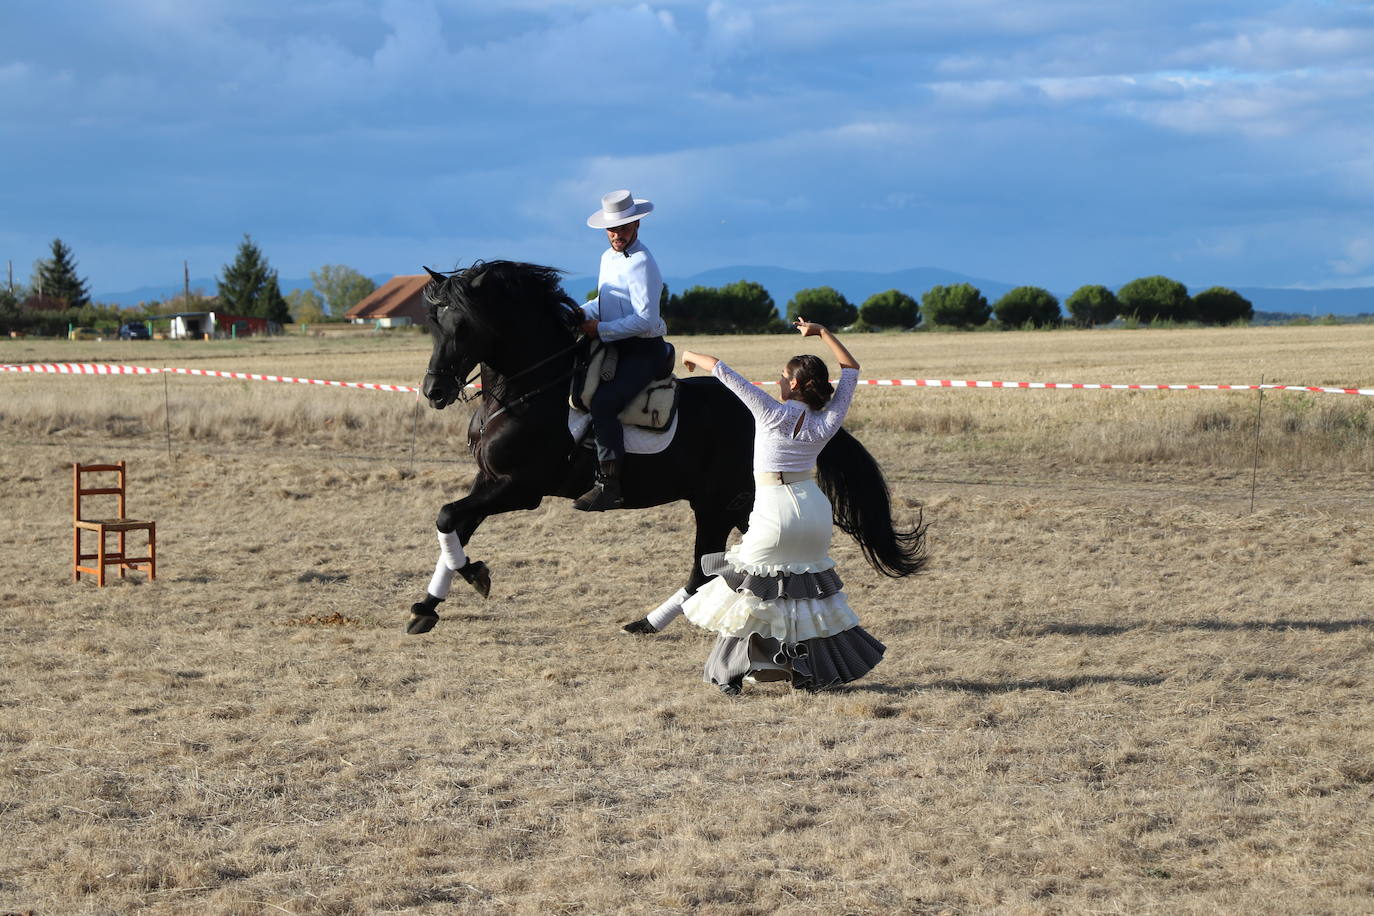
column 780, row 444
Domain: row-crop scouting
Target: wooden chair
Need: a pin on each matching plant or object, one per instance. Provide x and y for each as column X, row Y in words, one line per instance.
column 121, row 525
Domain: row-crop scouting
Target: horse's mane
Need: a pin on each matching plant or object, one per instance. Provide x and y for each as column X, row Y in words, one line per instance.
column 468, row 290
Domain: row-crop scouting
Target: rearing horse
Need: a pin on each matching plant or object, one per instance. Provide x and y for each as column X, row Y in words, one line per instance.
column 516, row 323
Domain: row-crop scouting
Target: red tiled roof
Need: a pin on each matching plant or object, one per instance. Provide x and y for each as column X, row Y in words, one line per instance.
column 399, row 296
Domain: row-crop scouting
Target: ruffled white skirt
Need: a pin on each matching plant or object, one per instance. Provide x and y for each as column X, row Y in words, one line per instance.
column 777, row 602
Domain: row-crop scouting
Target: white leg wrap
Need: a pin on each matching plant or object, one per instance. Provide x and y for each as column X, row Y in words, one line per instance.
column 443, row 578
column 668, row 611
column 451, row 550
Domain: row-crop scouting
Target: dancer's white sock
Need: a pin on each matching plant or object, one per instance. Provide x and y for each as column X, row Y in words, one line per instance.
column 442, row 579
column 668, row 611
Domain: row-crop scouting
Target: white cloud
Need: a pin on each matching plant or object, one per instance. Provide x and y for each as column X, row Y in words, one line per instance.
column 1277, row 49
column 1358, row 256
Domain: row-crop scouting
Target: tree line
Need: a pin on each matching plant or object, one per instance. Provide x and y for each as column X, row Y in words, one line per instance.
column 746, row 307
column 57, row 296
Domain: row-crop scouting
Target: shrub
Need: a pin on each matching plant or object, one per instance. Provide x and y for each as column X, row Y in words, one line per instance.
column 824, row 305
column 1150, row 299
column 890, row 309
column 960, row 305
column 1028, row 305
column 1219, row 305
column 1092, row 305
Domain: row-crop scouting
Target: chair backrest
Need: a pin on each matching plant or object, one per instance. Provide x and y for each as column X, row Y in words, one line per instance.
column 78, row 490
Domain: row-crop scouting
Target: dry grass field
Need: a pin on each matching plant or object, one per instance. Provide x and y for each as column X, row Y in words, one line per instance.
column 1120, row 688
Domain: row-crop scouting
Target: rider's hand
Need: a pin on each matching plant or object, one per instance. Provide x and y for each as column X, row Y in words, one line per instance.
column 588, row 327
column 808, row 328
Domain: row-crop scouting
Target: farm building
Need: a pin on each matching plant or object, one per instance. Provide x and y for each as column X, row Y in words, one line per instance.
column 198, row 325
column 397, row 302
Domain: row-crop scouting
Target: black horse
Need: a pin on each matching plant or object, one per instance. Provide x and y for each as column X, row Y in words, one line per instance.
column 516, row 323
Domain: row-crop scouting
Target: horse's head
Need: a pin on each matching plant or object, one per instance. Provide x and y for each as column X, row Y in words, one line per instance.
column 498, row 313
column 459, row 340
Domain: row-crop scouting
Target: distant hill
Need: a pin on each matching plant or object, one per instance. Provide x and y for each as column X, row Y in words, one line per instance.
column 1312, row 303
column 856, row 286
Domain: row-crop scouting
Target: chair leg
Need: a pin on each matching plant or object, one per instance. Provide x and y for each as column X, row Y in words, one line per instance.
column 152, row 553
column 76, row 554
column 123, row 567
column 100, row 559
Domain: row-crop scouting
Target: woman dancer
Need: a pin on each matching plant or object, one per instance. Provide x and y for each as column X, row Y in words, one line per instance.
column 775, row 600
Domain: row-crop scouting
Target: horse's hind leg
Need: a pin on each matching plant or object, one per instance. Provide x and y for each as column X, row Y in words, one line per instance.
column 713, row 528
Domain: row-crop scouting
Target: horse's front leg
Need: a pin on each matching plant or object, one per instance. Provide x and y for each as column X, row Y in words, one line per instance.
column 455, row 525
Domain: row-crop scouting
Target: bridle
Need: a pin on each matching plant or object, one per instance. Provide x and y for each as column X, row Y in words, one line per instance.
column 463, row 397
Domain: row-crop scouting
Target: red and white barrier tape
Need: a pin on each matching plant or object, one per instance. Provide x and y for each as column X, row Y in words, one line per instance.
column 105, row 369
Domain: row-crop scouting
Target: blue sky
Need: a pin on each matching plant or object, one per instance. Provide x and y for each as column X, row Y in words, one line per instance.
column 1052, row 142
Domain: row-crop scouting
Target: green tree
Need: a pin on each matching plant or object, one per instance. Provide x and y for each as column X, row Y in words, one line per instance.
column 56, row 278
column 1220, row 305
column 694, row 310
column 960, row 305
column 342, row 287
column 306, row 306
column 749, row 306
column 1092, row 305
column 249, row 286
column 10, row 316
column 1028, row 305
column 890, row 309
column 824, row 305
column 1155, row 298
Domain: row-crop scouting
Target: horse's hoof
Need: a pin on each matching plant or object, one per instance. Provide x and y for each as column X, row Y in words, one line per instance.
column 733, row 687
column 421, row 622
column 478, row 576
column 640, row 627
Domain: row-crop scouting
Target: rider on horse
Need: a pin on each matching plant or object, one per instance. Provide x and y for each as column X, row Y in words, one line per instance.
column 625, row 312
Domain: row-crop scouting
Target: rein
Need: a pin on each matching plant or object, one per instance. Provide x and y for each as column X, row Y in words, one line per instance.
column 505, row 406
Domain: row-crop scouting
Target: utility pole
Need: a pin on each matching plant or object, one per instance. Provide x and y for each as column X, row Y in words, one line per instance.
column 185, row 285
column 11, row 272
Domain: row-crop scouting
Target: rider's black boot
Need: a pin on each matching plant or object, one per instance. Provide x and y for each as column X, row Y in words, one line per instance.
column 605, row 494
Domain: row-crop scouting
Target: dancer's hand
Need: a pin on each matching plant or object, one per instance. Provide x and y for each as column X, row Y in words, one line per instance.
column 808, row 328
column 692, row 360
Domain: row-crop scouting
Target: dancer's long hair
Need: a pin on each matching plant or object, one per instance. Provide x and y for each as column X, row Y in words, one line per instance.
column 862, row 505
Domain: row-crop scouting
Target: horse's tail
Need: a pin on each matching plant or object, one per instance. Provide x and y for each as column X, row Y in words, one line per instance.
column 862, row 506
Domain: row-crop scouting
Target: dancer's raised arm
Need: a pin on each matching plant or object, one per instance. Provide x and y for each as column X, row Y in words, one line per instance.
column 842, row 354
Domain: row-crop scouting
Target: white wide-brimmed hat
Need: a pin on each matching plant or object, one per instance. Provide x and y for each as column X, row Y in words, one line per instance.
column 617, row 209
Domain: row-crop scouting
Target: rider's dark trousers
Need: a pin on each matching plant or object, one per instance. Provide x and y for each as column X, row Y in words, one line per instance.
column 638, row 362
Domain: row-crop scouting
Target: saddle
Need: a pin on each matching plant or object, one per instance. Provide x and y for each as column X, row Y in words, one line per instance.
column 653, row 408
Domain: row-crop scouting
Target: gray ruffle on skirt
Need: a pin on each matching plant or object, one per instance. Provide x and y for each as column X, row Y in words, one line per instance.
column 812, row 664
column 792, row 586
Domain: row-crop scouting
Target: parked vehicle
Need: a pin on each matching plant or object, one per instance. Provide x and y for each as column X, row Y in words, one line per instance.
column 134, row 330
column 85, row 334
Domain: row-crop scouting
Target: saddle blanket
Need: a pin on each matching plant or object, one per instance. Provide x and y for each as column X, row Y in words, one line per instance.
column 638, row 441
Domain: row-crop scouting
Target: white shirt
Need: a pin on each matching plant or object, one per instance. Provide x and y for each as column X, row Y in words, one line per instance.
column 628, row 288
column 780, row 444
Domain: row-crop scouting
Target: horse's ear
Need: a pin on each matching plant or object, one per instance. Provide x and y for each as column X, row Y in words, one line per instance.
column 435, row 275
column 476, row 281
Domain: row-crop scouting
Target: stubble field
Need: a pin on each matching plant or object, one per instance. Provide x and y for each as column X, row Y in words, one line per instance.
column 1136, row 678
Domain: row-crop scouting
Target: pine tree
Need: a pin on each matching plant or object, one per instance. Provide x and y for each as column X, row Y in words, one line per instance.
column 249, row 286
column 56, row 278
